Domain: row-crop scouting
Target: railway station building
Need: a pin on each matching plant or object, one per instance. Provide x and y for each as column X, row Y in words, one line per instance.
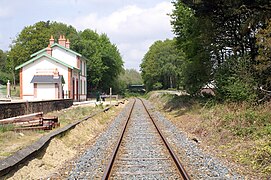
column 55, row 72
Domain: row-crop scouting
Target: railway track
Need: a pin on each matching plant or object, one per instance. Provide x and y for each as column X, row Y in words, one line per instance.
column 142, row 151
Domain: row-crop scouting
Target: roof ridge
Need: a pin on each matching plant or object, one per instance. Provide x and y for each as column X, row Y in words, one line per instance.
column 56, row 44
column 67, row 49
column 50, row 57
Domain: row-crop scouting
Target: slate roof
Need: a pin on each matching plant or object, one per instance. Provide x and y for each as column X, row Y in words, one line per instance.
column 47, row 79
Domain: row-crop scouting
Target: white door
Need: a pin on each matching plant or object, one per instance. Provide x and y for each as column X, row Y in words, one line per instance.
column 46, row 91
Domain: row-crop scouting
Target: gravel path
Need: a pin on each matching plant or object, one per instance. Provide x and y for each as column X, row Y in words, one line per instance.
column 198, row 164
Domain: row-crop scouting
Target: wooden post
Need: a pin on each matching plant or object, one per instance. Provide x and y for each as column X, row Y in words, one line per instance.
column 110, row 90
column 8, row 89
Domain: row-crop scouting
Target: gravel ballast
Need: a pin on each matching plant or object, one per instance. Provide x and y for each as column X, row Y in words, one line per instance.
column 198, row 164
column 93, row 162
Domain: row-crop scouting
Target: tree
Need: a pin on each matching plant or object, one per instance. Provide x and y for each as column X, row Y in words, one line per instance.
column 234, row 25
column 129, row 77
column 235, row 81
column 88, row 45
column 263, row 60
column 34, row 38
column 162, row 64
column 105, row 62
column 112, row 62
column 194, row 38
column 4, row 71
column 3, row 61
column 214, row 33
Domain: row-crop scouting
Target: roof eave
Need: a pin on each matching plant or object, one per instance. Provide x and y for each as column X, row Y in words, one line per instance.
column 39, row 52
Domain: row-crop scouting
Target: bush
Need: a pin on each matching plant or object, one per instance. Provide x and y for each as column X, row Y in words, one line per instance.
column 157, row 86
column 237, row 90
column 234, row 81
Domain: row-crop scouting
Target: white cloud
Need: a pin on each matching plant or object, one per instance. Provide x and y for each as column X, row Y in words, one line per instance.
column 4, row 12
column 109, row 24
column 131, row 28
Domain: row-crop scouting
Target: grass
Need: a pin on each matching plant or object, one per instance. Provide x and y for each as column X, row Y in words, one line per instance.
column 70, row 115
column 5, row 128
column 240, row 132
column 14, row 92
column 11, row 141
column 3, row 90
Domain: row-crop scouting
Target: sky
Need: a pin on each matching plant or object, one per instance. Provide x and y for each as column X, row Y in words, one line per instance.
column 133, row 25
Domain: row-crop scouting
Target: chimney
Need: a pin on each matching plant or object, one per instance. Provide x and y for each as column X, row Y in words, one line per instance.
column 62, row 40
column 52, row 41
column 68, row 44
column 49, row 50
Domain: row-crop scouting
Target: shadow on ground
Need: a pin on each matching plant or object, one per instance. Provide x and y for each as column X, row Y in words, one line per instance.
column 180, row 104
column 184, row 103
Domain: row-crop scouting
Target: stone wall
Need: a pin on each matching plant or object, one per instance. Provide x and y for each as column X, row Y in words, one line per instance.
column 8, row 110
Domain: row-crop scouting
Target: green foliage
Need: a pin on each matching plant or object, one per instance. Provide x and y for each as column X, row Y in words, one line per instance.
column 4, row 71
column 34, row 38
column 128, row 77
column 105, row 62
column 162, row 64
column 194, row 76
column 157, row 86
column 212, row 32
column 263, row 65
column 252, row 123
column 128, row 94
column 237, row 90
column 4, row 77
column 89, row 46
column 3, row 61
column 240, row 130
column 112, row 60
column 234, row 80
column 261, row 156
column 193, row 37
column 182, row 20
column 14, row 92
column 6, row 127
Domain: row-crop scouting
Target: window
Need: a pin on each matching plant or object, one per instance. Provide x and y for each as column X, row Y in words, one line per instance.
column 84, row 87
column 81, row 89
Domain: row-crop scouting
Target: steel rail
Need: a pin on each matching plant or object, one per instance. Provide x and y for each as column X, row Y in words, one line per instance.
column 179, row 165
column 106, row 174
column 24, row 155
column 109, row 167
